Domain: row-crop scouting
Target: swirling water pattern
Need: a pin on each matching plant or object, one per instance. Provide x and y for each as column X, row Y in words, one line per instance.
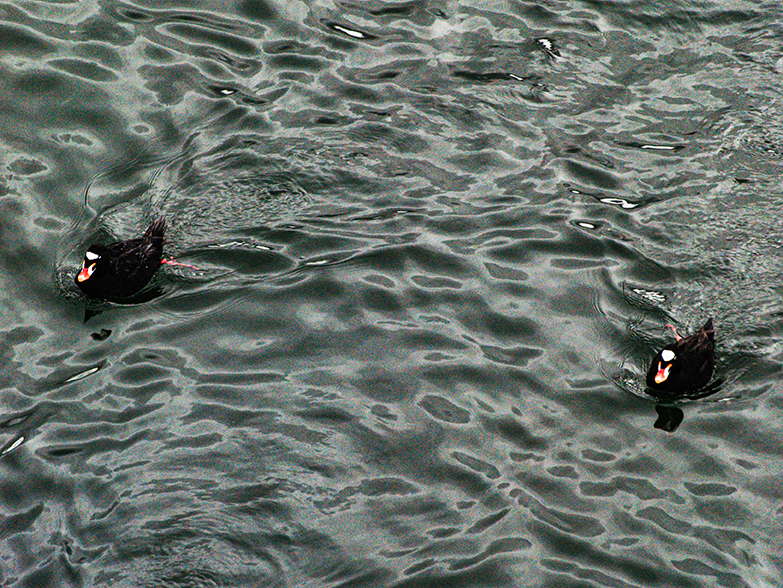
column 437, row 244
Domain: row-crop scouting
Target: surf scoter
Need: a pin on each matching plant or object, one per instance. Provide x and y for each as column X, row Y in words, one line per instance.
column 685, row 365
column 121, row 269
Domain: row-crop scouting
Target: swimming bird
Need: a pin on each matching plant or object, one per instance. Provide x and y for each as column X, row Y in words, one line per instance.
column 685, row 365
column 121, row 269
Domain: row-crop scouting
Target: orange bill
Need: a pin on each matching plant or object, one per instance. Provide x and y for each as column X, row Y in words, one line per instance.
column 85, row 273
column 662, row 374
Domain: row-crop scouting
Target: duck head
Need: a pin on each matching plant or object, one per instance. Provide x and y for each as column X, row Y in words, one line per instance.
column 666, row 361
column 94, row 260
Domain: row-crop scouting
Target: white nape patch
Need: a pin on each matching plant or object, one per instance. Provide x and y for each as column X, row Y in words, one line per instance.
column 667, row 355
column 90, row 256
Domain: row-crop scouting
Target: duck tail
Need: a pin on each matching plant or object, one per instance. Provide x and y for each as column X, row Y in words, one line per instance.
column 156, row 230
column 708, row 329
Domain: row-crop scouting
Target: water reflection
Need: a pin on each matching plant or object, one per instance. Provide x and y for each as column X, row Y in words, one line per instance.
column 434, row 238
column 669, row 417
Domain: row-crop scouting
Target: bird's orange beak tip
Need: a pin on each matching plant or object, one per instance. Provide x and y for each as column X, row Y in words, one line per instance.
column 662, row 374
column 84, row 274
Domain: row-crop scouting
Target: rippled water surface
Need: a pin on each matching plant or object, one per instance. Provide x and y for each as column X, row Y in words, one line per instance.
column 436, row 246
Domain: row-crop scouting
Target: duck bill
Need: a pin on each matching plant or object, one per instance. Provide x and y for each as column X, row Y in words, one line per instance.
column 663, row 374
column 85, row 273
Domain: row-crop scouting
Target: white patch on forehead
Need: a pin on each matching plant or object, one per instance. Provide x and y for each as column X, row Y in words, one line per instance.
column 667, row 355
column 90, row 256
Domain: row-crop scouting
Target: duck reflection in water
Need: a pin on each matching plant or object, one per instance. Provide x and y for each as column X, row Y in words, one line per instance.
column 669, row 417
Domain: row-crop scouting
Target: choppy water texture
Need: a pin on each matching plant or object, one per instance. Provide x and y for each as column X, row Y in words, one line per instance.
column 438, row 243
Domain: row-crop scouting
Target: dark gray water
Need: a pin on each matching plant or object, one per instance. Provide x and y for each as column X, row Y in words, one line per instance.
column 437, row 243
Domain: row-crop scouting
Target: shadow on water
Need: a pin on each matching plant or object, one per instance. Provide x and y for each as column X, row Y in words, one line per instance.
column 669, row 417
column 668, row 408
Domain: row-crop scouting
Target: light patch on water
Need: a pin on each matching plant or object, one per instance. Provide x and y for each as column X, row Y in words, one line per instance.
column 319, row 320
column 17, row 442
column 349, row 32
column 622, row 202
column 650, row 295
column 82, row 375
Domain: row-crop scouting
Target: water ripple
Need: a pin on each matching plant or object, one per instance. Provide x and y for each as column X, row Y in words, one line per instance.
column 437, row 248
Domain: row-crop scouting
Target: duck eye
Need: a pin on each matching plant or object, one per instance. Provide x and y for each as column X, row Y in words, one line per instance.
column 667, row 355
column 90, row 256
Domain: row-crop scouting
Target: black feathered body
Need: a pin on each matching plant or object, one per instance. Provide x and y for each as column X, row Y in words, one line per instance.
column 691, row 367
column 125, row 267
